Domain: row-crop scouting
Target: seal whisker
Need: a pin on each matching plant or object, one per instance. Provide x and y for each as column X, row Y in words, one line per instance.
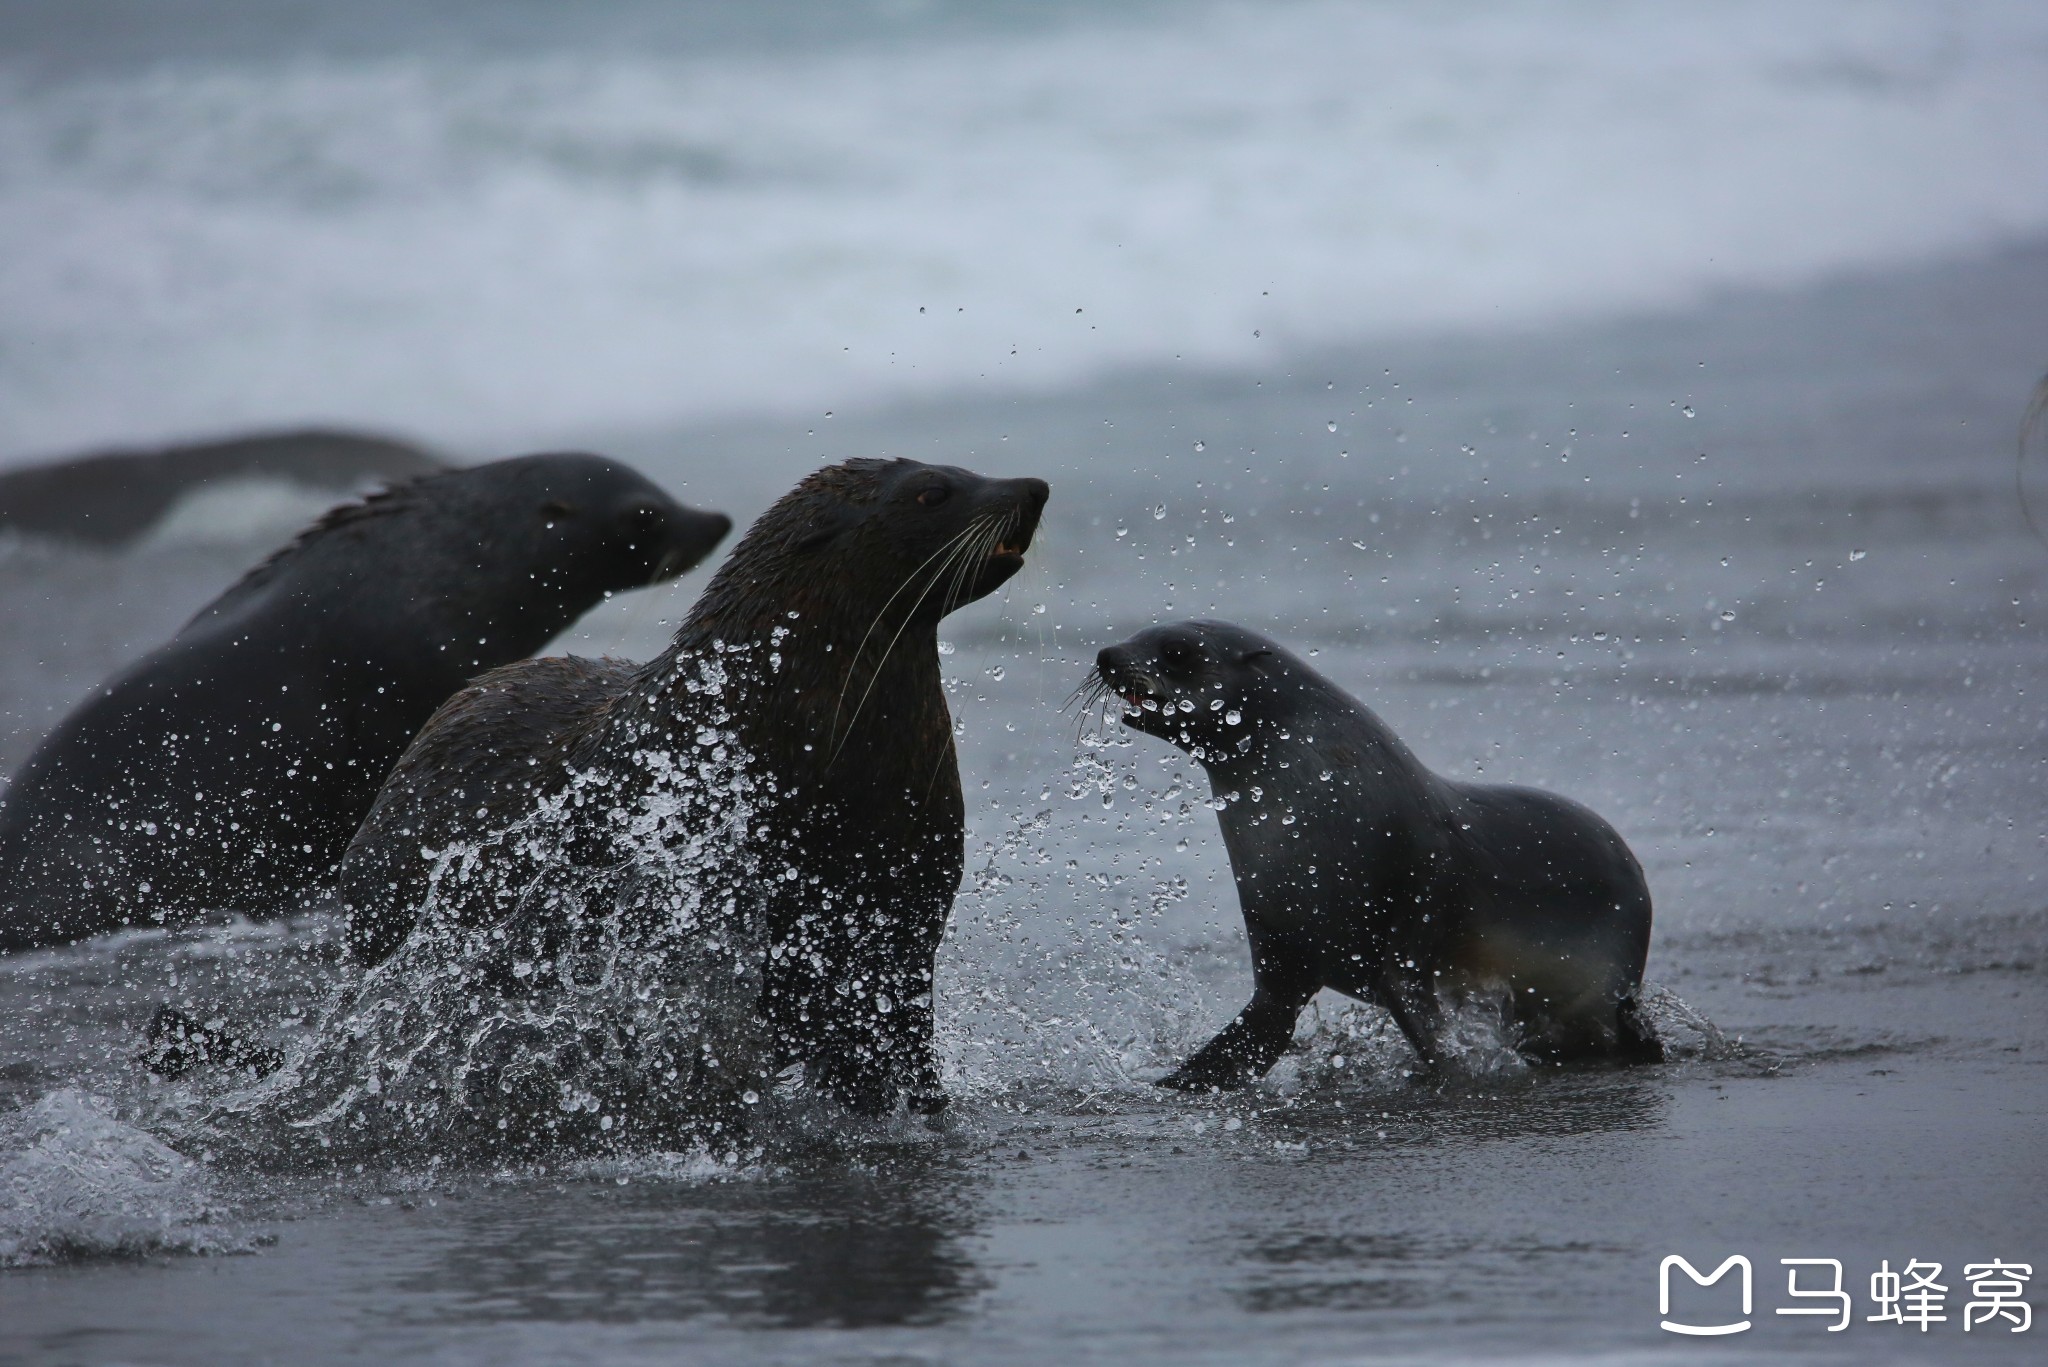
column 967, row 562
column 1082, row 715
column 961, row 544
column 982, row 548
column 1088, row 689
column 853, row 660
column 991, row 536
column 956, row 569
column 962, row 565
column 1090, row 702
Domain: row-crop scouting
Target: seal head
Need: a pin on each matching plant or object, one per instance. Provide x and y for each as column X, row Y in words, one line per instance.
column 1210, row 688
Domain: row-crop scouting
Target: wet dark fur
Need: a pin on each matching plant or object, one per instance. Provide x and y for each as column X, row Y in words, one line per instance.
column 845, row 579
column 228, row 769
column 1389, row 883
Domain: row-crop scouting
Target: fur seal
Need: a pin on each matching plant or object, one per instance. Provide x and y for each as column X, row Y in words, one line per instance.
column 228, row 769
column 1360, row 870
column 110, row 498
column 810, row 667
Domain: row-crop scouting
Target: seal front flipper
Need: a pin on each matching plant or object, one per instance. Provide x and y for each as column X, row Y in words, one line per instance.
column 1420, row 1020
column 178, row 1043
column 1246, row 1049
column 1638, row 1038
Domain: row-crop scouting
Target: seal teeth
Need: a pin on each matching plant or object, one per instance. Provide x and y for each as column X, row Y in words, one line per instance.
column 1140, row 691
column 1013, row 537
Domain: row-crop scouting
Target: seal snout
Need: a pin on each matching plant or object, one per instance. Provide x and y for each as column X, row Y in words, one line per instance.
column 1027, row 501
column 692, row 535
column 1117, row 667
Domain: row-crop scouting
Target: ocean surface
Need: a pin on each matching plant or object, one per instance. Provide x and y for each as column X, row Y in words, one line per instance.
column 493, row 225
column 1617, row 401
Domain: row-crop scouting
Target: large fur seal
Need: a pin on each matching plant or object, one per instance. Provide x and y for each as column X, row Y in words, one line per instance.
column 1360, row 870
column 806, row 681
column 227, row 769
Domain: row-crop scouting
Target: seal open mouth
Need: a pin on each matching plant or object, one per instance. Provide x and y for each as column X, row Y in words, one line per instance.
column 1146, row 703
column 1018, row 525
column 1137, row 692
column 1141, row 700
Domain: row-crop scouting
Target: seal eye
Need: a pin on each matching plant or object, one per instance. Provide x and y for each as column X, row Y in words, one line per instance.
column 934, row 496
column 555, row 507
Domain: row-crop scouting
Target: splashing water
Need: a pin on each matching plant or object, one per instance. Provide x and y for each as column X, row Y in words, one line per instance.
column 615, row 1006
column 77, row 1183
column 1685, row 1032
column 613, row 1015
column 1052, row 980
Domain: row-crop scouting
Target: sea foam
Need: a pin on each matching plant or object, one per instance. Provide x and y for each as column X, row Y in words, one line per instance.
column 488, row 248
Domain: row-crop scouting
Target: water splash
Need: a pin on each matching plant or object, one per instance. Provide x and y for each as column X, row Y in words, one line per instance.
column 77, row 1183
column 1357, row 1043
column 614, row 1007
column 1054, row 976
column 1685, row 1032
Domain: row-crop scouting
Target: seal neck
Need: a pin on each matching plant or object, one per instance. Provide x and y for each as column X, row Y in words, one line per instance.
column 1325, row 736
column 820, row 675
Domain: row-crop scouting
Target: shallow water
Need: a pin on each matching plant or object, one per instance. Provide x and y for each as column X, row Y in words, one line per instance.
column 1836, row 792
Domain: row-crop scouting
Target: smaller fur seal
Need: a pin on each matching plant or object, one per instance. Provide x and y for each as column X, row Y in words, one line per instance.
column 227, row 769
column 1360, row 870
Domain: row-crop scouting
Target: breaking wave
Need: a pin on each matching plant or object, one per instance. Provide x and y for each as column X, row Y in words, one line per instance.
column 523, row 246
